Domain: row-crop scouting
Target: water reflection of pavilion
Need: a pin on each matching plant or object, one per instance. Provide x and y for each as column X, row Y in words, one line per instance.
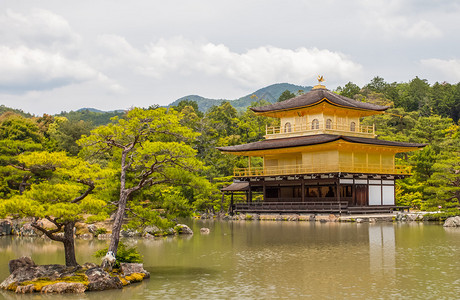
column 382, row 249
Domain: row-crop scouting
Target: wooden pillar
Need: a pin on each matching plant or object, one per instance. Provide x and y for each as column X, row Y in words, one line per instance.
column 264, row 191
column 338, row 195
column 302, row 182
column 222, row 202
column 231, row 204
column 250, row 194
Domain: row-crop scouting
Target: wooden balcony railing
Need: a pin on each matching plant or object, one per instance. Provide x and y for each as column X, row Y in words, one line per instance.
column 319, row 127
column 308, row 169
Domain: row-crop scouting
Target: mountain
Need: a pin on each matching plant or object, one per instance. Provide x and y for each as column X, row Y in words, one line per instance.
column 270, row 93
column 4, row 109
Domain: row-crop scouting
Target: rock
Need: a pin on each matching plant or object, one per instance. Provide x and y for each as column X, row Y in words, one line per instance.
column 24, row 261
column 411, row 217
column 32, row 272
column 452, row 222
column 148, row 236
column 92, row 228
column 204, row 230
column 333, row 218
column 64, row 287
column 5, row 228
column 131, row 268
column 183, row 229
column 86, row 236
column 359, row 220
column 89, row 265
column 26, row 289
column 151, row 230
column 104, row 236
column 27, row 230
column 372, row 220
column 128, row 233
column 100, row 280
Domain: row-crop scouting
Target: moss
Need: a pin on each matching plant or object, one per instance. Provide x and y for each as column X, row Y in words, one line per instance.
column 44, row 281
column 123, row 281
column 135, row 277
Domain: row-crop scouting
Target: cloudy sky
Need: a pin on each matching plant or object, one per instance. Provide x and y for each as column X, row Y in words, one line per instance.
column 58, row 55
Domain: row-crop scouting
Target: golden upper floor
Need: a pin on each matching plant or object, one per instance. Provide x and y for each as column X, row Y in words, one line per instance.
column 319, row 111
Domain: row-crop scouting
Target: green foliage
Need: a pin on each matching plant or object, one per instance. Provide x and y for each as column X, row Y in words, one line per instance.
column 95, row 118
column 100, row 231
column 57, row 183
column 442, row 216
column 286, row 95
column 125, row 254
column 4, row 109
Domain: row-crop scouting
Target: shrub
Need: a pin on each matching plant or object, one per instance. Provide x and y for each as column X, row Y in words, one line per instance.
column 100, row 231
column 125, row 254
column 442, row 216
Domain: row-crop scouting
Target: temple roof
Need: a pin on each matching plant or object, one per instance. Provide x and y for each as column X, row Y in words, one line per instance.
column 313, row 140
column 316, row 96
column 236, row 186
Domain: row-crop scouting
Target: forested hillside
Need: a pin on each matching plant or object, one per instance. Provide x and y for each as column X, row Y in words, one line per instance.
column 270, row 93
column 420, row 112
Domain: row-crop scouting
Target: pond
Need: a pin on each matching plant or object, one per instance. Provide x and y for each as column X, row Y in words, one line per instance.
column 260, row 260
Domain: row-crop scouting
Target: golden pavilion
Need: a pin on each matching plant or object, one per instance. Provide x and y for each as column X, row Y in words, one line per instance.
column 320, row 158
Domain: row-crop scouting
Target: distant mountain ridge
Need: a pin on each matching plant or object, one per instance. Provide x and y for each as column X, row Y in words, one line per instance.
column 270, row 93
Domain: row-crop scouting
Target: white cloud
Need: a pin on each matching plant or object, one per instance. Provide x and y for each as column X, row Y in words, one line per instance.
column 39, row 28
column 24, row 69
column 448, row 70
column 396, row 18
column 40, row 51
column 252, row 68
column 414, row 29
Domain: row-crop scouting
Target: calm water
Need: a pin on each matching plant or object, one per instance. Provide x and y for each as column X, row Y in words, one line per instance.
column 262, row 260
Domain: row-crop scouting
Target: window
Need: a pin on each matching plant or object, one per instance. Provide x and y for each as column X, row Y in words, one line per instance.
column 315, row 124
column 287, row 127
column 352, row 126
column 328, row 124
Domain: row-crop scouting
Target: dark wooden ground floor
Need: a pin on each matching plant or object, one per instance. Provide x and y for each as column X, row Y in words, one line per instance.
column 320, row 193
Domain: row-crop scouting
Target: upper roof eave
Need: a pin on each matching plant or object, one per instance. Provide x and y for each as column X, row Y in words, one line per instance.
column 312, row 140
column 314, row 97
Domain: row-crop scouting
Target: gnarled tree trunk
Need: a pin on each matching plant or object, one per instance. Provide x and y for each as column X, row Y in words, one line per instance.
column 69, row 245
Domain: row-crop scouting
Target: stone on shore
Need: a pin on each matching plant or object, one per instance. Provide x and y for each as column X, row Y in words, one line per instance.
column 63, row 287
column 183, row 229
column 15, row 264
column 205, row 230
column 100, row 280
column 452, row 222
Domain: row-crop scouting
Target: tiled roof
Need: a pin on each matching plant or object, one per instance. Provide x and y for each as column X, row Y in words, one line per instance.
column 316, row 96
column 312, row 140
column 236, row 186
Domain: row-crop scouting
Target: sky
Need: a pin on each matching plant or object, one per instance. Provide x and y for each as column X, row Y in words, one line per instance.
column 59, row 55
